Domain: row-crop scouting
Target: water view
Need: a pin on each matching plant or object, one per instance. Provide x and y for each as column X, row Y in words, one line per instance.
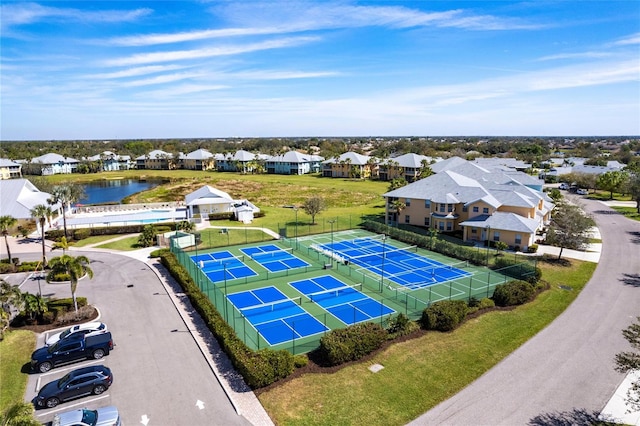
column 113, row 191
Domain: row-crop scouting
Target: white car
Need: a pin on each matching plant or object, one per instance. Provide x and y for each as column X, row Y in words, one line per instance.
column 564, row 186
column 87, row 329
column 582, row 191
column 106, row 416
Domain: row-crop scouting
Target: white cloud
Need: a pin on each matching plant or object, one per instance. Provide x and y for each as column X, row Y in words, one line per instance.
column 134, row 72
column 580, row 55
column 630, row 40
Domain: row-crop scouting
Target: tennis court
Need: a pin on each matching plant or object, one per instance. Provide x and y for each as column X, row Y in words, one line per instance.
column 400, row 265
column 344, row 302
column 274, row 258
column 276, row 317
column 222, row 265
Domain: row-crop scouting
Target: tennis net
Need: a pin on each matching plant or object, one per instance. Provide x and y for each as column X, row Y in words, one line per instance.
column 334, row 292
column 278, row 254
column 365, row 240
column 204, row 264
column 386, row 254
column 271, row 306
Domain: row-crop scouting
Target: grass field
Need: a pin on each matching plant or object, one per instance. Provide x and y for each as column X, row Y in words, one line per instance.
column 630, row 212
column 15, row 351
column 422, row 372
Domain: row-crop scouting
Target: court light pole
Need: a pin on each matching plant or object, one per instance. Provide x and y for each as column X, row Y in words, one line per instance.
column 226, row 313
column 295, row 209
column 488, row 229
column 384, row 239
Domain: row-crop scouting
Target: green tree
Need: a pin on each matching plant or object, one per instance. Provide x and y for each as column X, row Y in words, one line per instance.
column 10, row 295
column 42, row 213
column 397, row 206
column 627, row 361
column 63, row 245
column 6, row 222
column 20, row 413
column 313, row 206
column 397, row 183
column 75, row 268
column 66, row 195
column 611, row 181
column 33, row 305
column 632, row 186
column 425, row 169
column 569, row 228
column 186, row 226
column 147, row 236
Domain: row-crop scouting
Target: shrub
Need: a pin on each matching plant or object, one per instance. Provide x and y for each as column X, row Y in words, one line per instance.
column 513, row 293
column 159, row 252
column 28, row 266
column 7, row 268
column 533, row 248
column 401, row 325
column 300, row 360
column 444, row 315
column 486, row 303
column 81, row 234
column 221, row 216
column 351, row 343
column 58, row 277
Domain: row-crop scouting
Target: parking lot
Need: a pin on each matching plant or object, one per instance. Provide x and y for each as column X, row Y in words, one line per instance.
column 160, row 375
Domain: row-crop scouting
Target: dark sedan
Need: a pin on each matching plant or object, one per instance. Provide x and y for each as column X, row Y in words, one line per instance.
column 78, row 383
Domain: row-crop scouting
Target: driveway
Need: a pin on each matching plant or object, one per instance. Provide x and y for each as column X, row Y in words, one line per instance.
column 564, row 374
column 160, row 374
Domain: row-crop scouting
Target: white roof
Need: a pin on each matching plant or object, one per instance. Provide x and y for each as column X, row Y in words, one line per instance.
column 207, row 195
column 198, row 154
column 19, row 196
column 52, row 158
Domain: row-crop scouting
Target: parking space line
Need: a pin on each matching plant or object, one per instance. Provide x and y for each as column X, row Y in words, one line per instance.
column 67, row 407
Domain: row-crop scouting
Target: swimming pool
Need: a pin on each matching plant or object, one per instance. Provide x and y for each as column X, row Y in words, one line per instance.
column 129, row 218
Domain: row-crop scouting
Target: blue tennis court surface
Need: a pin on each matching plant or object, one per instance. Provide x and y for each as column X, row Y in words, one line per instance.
column 274, row 258
column 401, row 266
column 277, row 318
column 222, row 265
column 344, row 302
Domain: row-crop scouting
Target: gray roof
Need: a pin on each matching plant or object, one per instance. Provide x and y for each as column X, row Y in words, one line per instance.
column 409, row 160
column 156, row 153
column 447, row 164
column 198, row 154
column 207, row 195
column 5, row 162
column 19, row 196
column 294, row 157
column 504, row 221
column 52, row 158
column 353, row 158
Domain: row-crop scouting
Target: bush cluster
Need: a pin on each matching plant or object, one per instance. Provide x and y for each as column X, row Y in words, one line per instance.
column 430, row 243
column 444, row 315
column 513, row 293
column 79, row 234
column 221, row 216
column 259, row 368
column 351, row 343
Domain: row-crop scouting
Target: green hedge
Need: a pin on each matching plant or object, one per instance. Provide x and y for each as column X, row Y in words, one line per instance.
column 513, row 293
column 221, row 216
column 351, row 343
column 259, row 368
column 444, row 315
column 430, row 243
column 78, row 234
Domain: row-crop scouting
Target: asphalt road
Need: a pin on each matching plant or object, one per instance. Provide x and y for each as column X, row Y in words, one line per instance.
column 565, row 373
column 160, row 375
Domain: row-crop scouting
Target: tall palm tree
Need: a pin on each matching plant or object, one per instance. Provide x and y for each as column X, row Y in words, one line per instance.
column 6, row 222
column 75, row 267
column 61, row 194
column 398, row 206
column 42, row 213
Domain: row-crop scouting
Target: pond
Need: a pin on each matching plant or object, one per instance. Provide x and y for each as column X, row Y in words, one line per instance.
column 114, row 190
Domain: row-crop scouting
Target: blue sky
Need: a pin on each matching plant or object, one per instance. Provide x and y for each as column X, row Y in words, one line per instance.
column 178, row 69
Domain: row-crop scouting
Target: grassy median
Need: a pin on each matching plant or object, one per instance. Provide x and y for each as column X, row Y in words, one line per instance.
column 15, row 351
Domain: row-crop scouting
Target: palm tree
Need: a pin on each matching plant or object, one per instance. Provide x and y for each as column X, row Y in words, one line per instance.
column 75, row 268
column 42, row 213
column 398, row 206
column 61, row 194
column 19, row 414
column 6, row 222
column 63, row 244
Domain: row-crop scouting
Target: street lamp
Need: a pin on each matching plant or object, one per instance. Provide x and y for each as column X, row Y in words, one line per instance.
column 331, row 222
column 384, row 239
column 295, row 209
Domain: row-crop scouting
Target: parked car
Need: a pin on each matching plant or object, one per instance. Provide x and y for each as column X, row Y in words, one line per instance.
column 564, row 186
column 70, row 350
column 105, row 416
column 87, row 329
column 582, row 191
column 78, row 383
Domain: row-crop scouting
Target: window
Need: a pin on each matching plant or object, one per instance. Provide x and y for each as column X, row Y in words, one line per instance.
column 448, row 226
column 449, row 208
column 518, row 239
column 407, row 202
column 441, row 225
column 427, row 204
column 485, row 210
column 442, row 207
column 426, row 221
column 465, row 209
column 496, row 236
column 474, row 231
column 407, row 218
column 475, row 209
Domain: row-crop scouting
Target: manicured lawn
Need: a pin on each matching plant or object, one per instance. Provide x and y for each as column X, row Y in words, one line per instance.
column 420, row 373
column 124, row 244
column 93, row 240
column 630, row 212
column 15, row 351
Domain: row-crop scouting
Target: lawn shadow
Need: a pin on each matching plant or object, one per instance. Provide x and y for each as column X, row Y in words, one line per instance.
column 577, row 416
column 631, row 279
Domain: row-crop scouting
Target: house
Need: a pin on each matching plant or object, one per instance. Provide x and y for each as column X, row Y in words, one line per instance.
column 208, row 200
column 19, row 196
column 10, row 169
column 350, row 165
column 52, row 164
column 157, row 160
column 200, row 159
column 293, row 163
column 241, row 161
column 408, row 167
column 478, row 203
column 110, row 161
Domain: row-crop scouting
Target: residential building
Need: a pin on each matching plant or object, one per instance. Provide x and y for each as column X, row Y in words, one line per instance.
column 10, row 169
column 241, row 161
column 19, row 196
column 156, row 160
column 110, row 161
column 51, row 164
column 208, row 200
column 478, row 204
column 351, row 165
column 200, row 159
column 293, row 163
column 408, row 167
